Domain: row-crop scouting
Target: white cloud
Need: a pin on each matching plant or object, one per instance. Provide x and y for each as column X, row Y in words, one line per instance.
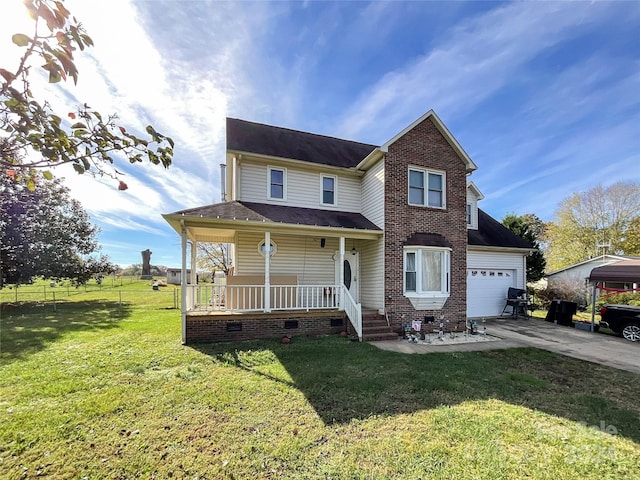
column 472, row 61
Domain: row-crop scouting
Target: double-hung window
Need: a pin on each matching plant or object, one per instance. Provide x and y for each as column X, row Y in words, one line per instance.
column 427, row 188
column 426, row 271
column 328, row 185
column 277, row 183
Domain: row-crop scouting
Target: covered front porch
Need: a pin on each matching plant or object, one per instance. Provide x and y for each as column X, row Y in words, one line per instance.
column 308, row 279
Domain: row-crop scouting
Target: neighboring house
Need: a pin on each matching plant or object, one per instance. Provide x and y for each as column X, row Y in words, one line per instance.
column 577, row 275
column 325, row 231
column 174, row 276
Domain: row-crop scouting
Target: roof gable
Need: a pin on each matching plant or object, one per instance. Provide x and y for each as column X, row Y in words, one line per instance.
column 257, row 138
column 470, row 165
column 471, row 187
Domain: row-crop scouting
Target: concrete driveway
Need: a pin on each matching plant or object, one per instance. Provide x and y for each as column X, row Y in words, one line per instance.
column 593, row 347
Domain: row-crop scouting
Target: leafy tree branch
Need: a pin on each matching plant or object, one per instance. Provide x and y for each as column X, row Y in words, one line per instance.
column 84, row 138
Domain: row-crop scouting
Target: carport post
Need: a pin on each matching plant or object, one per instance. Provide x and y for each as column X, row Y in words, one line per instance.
column 593, row 307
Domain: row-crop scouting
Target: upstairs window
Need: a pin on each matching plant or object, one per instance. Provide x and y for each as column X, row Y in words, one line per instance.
column 328, row 189
column 469, row 215
column 277, row 183
column 426, row 188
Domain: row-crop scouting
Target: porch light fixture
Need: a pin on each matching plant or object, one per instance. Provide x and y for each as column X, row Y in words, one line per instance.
column 353, row 251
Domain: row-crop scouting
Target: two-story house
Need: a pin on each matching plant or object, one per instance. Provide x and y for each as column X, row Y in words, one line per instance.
column 328, row 234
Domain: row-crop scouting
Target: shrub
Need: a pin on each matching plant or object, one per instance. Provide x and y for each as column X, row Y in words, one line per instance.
column 567, row 289
column 626, row 298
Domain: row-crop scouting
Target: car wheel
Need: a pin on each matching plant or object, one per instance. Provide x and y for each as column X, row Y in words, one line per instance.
column 631, row 332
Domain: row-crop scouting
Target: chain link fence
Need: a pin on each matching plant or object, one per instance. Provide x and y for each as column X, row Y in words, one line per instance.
column 158, row 296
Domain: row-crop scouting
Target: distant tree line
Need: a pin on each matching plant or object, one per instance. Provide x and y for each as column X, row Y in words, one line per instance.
column 601, row 220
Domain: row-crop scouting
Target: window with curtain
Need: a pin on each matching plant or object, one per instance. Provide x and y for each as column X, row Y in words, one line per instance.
column 426, row 271
column 410, row 272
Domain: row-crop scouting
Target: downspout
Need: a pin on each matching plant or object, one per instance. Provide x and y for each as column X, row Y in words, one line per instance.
column 183, row 282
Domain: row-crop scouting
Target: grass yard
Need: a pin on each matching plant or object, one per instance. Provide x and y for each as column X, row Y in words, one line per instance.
column 100, row 389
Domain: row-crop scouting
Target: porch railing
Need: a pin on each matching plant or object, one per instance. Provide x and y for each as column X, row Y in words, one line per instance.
column 353, row 311
column 250, row 298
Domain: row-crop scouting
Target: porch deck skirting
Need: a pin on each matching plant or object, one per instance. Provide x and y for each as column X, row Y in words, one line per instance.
column 208, row 327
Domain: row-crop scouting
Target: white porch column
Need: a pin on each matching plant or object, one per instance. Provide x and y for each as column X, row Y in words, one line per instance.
column 194, row 252
column 267, row 271
column 341, row 271
column 183, row 285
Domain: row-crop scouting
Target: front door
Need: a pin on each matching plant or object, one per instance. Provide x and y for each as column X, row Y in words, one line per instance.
column 351, row 269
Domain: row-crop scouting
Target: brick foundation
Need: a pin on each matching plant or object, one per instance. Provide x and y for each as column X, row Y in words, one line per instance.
column 202, row 328
column 424, row 146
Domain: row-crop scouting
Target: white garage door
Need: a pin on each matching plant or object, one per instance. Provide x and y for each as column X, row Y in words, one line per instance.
column 487, row 290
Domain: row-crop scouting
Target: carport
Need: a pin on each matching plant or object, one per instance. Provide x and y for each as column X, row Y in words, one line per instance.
column 627, row 271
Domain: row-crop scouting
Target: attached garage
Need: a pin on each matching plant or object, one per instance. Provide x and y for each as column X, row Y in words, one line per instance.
column 486, row 290
column 496, row 260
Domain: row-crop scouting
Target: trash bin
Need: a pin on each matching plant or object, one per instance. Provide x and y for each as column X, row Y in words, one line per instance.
column 561, row 312
column 552, row 311
column 566, row 312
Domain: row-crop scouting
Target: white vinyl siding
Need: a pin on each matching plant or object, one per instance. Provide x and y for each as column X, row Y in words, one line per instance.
column 373, row 194
column 303, row 189
column 296, row 255
column 371, row 273
column 489, row 275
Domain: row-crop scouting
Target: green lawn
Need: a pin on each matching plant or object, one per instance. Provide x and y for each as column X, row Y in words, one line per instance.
column 99, row 389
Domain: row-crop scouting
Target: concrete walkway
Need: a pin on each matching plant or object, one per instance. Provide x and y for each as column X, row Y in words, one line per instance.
column 593, row 347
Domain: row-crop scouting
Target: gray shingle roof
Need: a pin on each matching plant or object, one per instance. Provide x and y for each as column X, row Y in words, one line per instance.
column 281, row 214
column 492, row 233
column 281, row 142
column 428, row 240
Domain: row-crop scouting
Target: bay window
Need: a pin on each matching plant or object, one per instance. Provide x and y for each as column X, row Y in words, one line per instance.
column 426, row 271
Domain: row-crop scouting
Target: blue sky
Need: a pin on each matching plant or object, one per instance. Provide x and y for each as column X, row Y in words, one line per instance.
column 544, row 96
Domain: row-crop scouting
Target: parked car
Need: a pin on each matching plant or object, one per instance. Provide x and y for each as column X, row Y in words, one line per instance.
column 623, row 320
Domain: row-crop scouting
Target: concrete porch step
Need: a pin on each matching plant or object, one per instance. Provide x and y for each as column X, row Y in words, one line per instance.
column 378, row 337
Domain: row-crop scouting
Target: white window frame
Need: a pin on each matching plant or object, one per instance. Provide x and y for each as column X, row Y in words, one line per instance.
column 425, row 182
column 472, row 215
column 445, row 279
column 335, row 190
column 261, row 249
column 284, row 183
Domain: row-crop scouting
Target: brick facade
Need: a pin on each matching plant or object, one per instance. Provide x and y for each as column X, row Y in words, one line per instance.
column 424, row 146
column 203, row 328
